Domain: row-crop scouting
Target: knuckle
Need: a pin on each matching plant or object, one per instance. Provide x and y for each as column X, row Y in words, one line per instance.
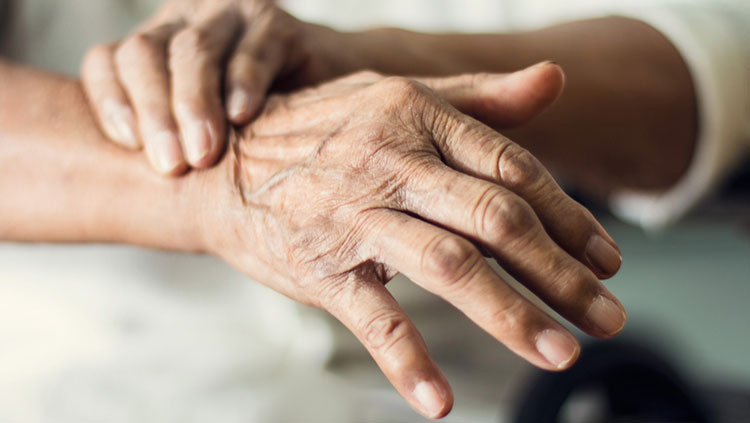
column 416, row 167
column 450, row 260
column 97, row 55
column 571, row 286
column 139, row 46
column 96, row 66
column 412, row 104
column 384, row 329
column 513, row 316
column 190, row 42
column 401, row 90
column 505, row 217
column 519, row 169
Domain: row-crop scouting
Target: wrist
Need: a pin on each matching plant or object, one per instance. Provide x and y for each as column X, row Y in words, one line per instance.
column 231, row 227
column 221, row 219
column 151, row 210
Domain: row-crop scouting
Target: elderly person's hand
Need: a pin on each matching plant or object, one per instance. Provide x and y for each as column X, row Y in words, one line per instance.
column 326, row 196
column 171, row 85
column 161, row 88
column 333, row 190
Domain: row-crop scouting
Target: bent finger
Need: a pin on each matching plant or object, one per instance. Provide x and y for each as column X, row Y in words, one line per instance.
column 475, row 149
column 507, row 226
column 256, row 62
column 369, row 311
column 196, row 55
column 451, row 267
column 107, row 97
column 142, row 67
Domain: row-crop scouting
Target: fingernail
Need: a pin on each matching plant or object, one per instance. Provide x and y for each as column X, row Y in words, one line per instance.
column 165, row 149
column 544, row 63
column 429, row 398
column 198, row 140
column 119, row 123
column 602, row 255
column 556, row 347
column 605, row 314
column 238, row 105
column 197, row 134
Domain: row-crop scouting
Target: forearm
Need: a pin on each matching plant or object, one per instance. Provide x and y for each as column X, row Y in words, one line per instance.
column 61, row 181
column 627, row 117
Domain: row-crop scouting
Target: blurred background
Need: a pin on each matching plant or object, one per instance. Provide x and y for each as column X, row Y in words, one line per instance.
column 93, row 333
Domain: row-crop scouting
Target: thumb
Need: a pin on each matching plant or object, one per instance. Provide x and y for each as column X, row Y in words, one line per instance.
column 502, row 100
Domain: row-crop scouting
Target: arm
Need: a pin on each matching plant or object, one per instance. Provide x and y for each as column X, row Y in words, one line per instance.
column 626, row 120
column 77, row 188
column 61, row 183
column 298, row 205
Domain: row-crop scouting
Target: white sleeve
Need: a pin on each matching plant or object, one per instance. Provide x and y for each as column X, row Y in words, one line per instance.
column 714, row 41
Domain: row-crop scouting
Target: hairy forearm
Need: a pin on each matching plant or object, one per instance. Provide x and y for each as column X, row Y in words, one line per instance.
column 61, row 181
column 627, row 118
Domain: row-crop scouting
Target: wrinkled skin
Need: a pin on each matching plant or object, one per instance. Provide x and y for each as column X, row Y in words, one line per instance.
column 334, row 189
column 161, row 87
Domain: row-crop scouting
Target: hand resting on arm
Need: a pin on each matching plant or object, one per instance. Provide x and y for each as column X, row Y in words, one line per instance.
column 627, row 119
column 324, row 197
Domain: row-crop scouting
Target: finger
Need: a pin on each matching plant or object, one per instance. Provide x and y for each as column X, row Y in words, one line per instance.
column 142, row 68
column 507, row 226
column 450, row 266
column 475, row 149
column 196, row 55
column 502, row 100
column 107, row 97
column 256, row 61
column 364, row 306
